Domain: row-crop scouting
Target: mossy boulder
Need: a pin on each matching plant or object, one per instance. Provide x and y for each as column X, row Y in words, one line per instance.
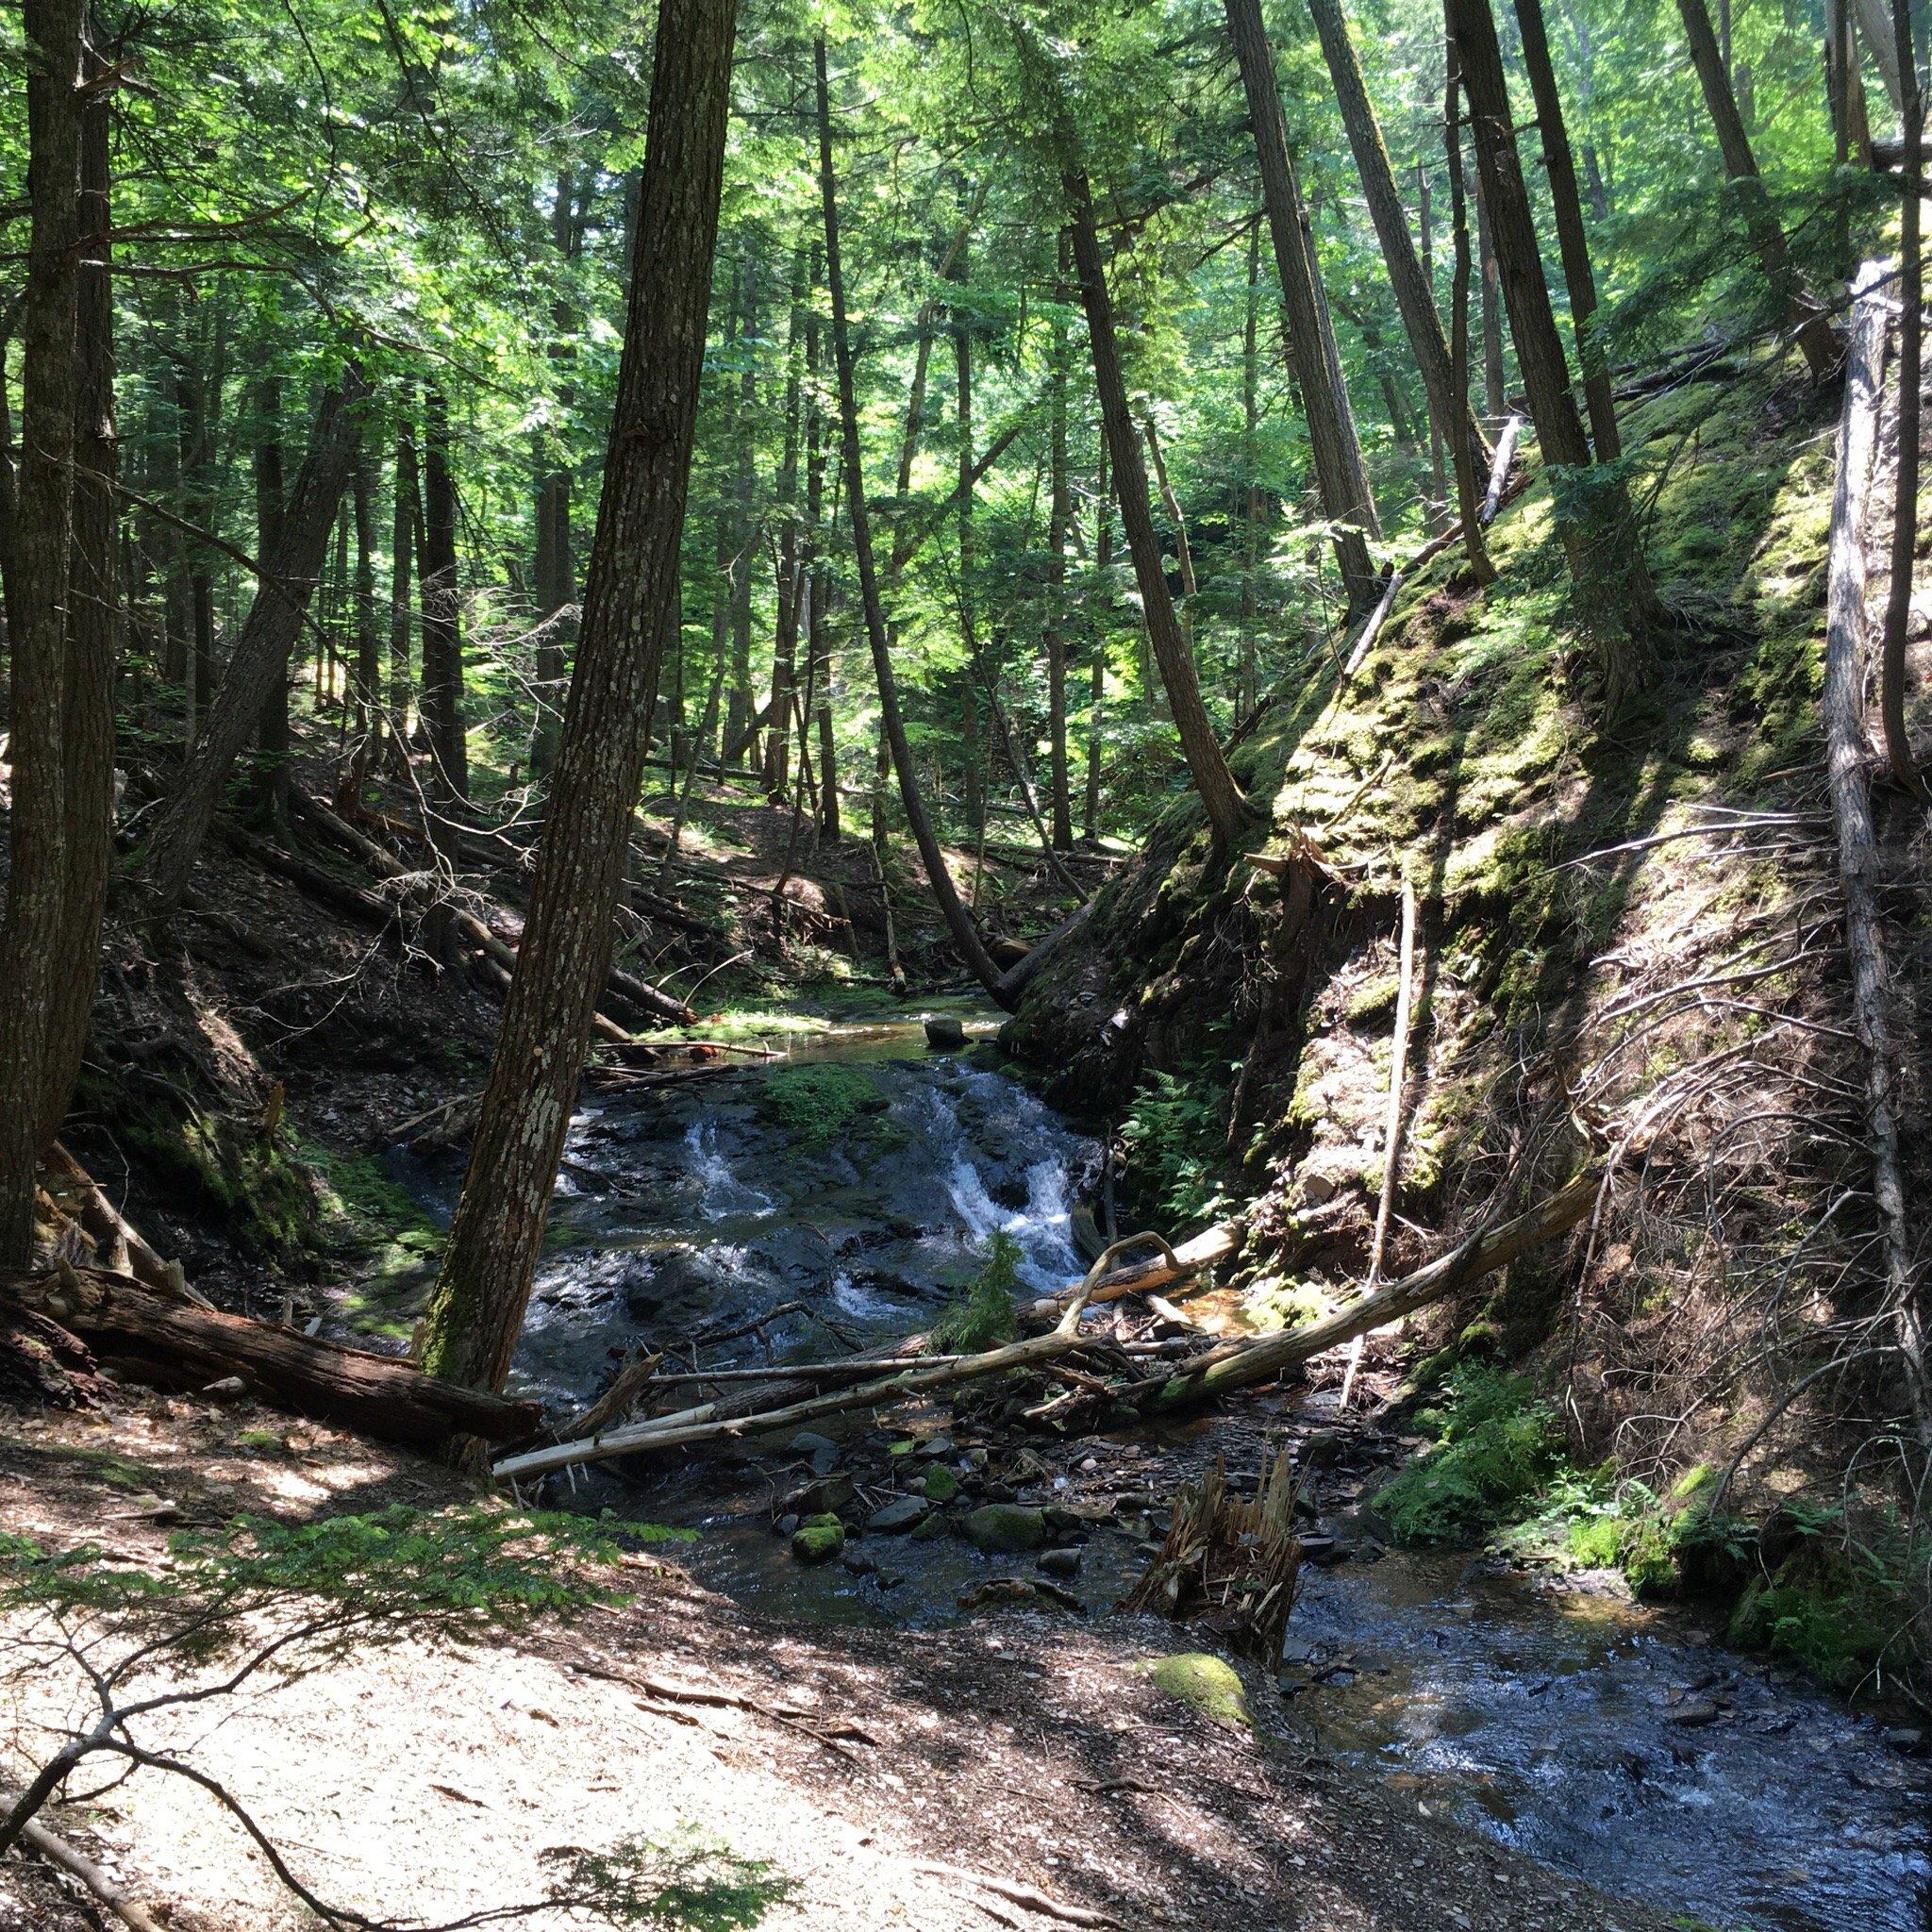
column 1006, row 1529
column 1205, row 1683
column 818, row 1540
column 941, row 1485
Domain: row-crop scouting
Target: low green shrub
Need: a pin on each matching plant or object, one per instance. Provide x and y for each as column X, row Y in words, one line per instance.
column 984, row 1315
column 1498, row 1449
column 1173, row 1134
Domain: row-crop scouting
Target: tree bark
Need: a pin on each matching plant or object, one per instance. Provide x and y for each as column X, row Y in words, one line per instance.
column 270, row 785
column 1058, row 517
column 261, row 652
column 556, row 571
column 1614, row 594
column 1096, row 670
column 1462, row 454
column 891, row 724
column 1495, row 402
column 1911, row 337
column 1559, row 169
column 1449, row 411
column 368, row 661
column 1813, row 332
column 1341, row 479
column 443, row 644
column 93, row 612
column 1220, row 795
column 35, row 923
column 630, row 607
column 407, row 515
column 791, row 566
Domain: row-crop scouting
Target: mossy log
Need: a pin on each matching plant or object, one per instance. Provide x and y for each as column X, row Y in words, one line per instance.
column 378, row 1396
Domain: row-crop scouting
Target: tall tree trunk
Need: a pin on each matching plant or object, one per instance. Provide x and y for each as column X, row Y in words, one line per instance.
column 1495, row 400
column 407, row 516
column 368, row 661
column 1408, row 277
column 1911, row 336
column 1341, row 478
column 274, row 621
column 893, row 726
column 1058, row 517
column 35, row 922
column 740, row 728
column 1767, row 239
column 790, row 586
column 443, row 645
column 271, row 772
column 1614, row 595
column 818, row 628
column 197, row 503
column 1247, row 687
column 1221, row 796
column 555, row 567
column 1560, row 168
column 973, row 743
column 1469, row 482
column 630, row 607
column 1096, row 620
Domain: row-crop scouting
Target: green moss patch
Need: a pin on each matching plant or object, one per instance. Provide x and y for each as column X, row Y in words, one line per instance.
column 815, row 1105
column 1206, row 1684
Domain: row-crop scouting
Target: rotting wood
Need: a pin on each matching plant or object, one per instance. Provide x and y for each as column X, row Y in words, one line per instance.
column 378, row 1395
column 1499, row 470
column 1229, row 1564
column 116, row 1238
column 1259, row 1359
column 1848, row 764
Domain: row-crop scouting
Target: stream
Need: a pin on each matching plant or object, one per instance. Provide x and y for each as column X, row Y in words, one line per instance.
column 1613, row 1740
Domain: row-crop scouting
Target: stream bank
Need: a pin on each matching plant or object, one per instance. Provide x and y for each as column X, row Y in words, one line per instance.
column 1613, row 1741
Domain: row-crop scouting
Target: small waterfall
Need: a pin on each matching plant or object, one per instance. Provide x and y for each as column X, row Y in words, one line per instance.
column 724, row 1194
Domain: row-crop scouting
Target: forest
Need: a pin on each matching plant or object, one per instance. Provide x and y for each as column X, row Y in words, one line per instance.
column 964, row 965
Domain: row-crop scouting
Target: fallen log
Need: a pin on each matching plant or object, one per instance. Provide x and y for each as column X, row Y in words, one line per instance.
column 704, row 1424
column 378, row 1396
column 1848, row 770
column 1260, row 1357
column 1499, row 470
column 114, row 1236
column 1207, row 1249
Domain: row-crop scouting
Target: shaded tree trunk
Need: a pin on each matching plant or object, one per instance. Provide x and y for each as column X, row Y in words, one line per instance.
column 790, row 582
column 1813, row 332
column 1495, row 400
column 35, row 922
column 1911, row 336
column 1096, row 620
column 442, row 644
column 368, row 660
column 274, row 621
column 1614, row 595
column 1058, row 517
column 1341, row 478
column 1468, row 483
column 556, row 566
column 476, row 1308
column 1559, row 169
column 271, row 772
column 1221, row 796
column 1408, row 277
column 891, row 724
column 406, row 520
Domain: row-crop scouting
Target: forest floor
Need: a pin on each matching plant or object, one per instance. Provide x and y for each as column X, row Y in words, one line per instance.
column 1024, row 1752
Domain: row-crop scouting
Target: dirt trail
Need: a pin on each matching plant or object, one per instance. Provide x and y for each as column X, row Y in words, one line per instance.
column 421, row 1783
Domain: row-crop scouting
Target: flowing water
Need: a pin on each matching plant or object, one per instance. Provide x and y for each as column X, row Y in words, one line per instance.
column 1613, row 1741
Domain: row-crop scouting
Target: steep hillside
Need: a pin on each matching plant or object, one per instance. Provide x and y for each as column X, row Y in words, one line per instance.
column 1628, row 954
